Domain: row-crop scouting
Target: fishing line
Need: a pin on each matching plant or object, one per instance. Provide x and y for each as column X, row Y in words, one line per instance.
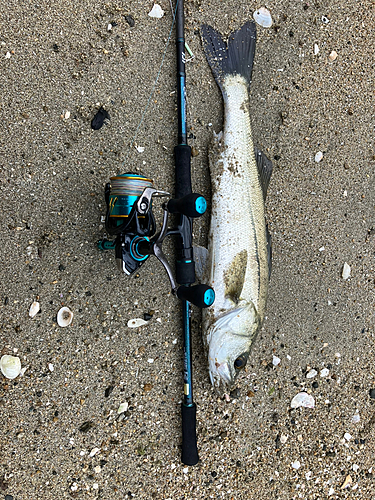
column 153, row 87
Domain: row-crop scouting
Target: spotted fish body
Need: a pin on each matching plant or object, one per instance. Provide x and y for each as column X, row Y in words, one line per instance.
column 238, row 264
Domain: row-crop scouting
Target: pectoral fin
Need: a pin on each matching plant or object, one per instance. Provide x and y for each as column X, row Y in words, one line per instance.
column 264, row 169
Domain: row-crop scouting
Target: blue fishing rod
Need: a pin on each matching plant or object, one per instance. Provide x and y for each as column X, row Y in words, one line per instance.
column 130, row 220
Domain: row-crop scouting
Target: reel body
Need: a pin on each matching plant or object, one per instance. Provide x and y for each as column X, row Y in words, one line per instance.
column 130, row 219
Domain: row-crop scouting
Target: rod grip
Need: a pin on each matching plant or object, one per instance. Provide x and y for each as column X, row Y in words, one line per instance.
column 189, row 435
column 182, row 155
column 191, row 205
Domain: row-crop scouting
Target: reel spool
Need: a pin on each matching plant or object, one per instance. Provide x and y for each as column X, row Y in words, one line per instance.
column 130, row 219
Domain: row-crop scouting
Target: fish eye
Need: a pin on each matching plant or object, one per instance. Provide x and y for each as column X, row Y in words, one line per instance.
column 240, row 362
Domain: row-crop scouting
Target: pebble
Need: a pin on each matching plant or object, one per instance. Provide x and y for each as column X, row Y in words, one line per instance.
column 98, row 121
column 283, row 438
column 50, row 367
column 123, row 407
column 97, row 469
column 7, row 55
column 94, row 451
column 316, row 49
column 130, row 20
column 311, row 374
column 67, row 115
column 372, row 393
column 296, row 465
column 347, row 436
column 356, row 418
column 275, row 360
column 140, row 149
column 346, row 271
column 324, row 372
column 304, row 400
column 318, row 156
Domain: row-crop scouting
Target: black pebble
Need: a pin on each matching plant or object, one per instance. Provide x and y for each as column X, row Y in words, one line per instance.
column 61, row 267
column 213, row 473
column 108, row 391
column 8, row 497
column 98, row 120
column 86, row 426
column 147, row 316
column 130, row 20
column 235, row 393
column 315, row 385
column 372, row 393
column 55, row 47
column 39, row 394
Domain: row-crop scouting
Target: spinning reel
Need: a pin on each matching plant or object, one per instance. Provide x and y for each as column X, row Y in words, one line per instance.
column 130, row 219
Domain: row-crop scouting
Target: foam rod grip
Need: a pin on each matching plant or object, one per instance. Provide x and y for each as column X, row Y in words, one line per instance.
column 182, row 154
column 189, row 435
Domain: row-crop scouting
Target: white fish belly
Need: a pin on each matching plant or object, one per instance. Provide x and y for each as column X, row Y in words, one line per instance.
column 237, row 240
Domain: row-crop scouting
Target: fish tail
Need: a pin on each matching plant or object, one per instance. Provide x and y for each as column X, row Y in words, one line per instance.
column 234, row 57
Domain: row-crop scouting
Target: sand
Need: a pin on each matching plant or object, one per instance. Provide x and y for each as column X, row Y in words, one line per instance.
column 62, row 436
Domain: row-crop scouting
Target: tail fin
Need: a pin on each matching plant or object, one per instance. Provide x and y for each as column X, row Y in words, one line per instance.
column 234, row 57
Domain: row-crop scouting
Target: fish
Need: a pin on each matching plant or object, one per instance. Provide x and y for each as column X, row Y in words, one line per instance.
column 238, row 259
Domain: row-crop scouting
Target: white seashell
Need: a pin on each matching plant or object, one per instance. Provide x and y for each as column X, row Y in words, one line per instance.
column 67, row 115
column 10, row 366
column 275, row 360
column 156, row 11
column 303, row 399
column 324, row 372
column 136, row 322
column 318, row 156
column 140, row 149
column 64, row 317
column 332, row 56
column 263, row 17
column 123, row 407
column 356, row 418
column 346, row 271
column 316, row 49
column 34, row 309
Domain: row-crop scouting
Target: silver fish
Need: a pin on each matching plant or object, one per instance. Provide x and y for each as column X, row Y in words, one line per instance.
column 239, row 246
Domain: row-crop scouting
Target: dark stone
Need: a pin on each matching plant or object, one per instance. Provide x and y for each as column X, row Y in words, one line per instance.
column 86, row 426
column 372, row 393
column 213, row 473
column 98, row 120
column 130, row 20
column 61, row 267
column 315, row 385
column 235, row 393
column 39, row 394
column 147, row 316
column 108, row 391
column 55, row 48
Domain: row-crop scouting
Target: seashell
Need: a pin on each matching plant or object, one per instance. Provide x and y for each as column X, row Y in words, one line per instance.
column 10, row 366
column 136, row 322
column 263, row 17
column 333, row 56
column 346, row 271
column 64, row 317
column 123, row 407
column 34, row 309
column 303, row 399
column 318, row 156
column 316, row 49
column 156, row 11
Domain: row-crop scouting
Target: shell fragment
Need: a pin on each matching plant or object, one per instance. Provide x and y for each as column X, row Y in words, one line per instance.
column 34, row 309
column 303, row 399
column 263, row 17
column 136, row 322
column 64, row 317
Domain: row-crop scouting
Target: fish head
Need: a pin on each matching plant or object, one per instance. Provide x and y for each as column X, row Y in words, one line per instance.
column 229, row 341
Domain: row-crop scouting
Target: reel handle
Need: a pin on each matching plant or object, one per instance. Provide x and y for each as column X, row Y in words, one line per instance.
column 200, row 295
column 191, row 205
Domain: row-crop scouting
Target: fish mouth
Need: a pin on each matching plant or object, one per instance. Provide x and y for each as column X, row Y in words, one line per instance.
column 221, row 377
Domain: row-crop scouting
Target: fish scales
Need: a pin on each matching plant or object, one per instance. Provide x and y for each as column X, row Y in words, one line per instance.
column 238, row 245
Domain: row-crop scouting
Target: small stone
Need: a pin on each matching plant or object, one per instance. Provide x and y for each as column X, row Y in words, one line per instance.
column 123, row 407
column 97, row 469
column 194, row 152
column 372, row 393
column 311, row 374
column 283, row 438
column 130, row 20
column 94, row 451
column 296, row 465
column 235, row 393
column 99, row 119
column 67, row 115
column 356, row 418
column 347, row 436
column 7, row 55
column 140, row 149
column 34, row 309
column 316, row 49
column 324, row 372
column 250, row 394
column 150, row 360
column 50, row 367
column 275, row 360
column 147, row 387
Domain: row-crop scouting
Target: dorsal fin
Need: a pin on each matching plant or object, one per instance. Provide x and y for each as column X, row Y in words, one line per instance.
column 264, row 169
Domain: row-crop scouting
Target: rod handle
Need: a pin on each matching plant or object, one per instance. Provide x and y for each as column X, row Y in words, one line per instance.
column 189, row 435
column 191, row 205
column 182, row 154
column 200, row 295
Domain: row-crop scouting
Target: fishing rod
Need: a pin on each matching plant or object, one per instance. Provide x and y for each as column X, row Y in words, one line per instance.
column 130, row 220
